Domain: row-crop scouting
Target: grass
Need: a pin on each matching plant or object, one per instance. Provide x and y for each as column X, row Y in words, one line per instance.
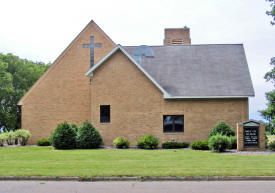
column 44, row 161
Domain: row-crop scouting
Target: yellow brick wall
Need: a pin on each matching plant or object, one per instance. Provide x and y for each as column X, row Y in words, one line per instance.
column 63, row 93
column 137, row 106
column 176, row 36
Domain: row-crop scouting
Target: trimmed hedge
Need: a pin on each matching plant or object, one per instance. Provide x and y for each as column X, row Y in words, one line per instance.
column 121, row 143
column 223, row 129
column 88, row 137
column 44, row 142
column 174, row 145
column 200, row 145
column 63, row 137
column 147, row 142
column 219, row 143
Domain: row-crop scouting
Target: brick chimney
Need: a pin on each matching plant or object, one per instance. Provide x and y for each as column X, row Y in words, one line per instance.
column 177, row 36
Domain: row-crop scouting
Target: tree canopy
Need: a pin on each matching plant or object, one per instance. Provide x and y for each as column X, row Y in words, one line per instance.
column 271, row 12
column 269, row 112
column 16, row 77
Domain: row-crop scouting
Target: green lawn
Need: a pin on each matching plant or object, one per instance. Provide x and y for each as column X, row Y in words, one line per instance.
column 44, row 161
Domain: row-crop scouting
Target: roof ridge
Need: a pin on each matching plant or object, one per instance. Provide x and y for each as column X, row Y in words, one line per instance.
column 183, row 45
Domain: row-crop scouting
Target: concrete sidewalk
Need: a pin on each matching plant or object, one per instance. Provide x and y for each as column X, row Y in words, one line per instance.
column 135, row 187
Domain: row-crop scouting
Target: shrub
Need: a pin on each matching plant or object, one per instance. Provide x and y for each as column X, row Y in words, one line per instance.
column 233, row 142
column 63, row 137
column 44, row 142
column 9, row 137
column 271, row 145
column 266, row 140
column 200, row 145
column 88, row 137
column 223, row 129
column 148, row 142
column 174, row 145
column 121, row 143
column 74, row 127
column 22, row 136
column 2, row 139
column 219, row 143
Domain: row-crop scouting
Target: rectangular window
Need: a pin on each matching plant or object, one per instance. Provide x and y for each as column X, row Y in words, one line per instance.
column 173, row 123
column 105, row 114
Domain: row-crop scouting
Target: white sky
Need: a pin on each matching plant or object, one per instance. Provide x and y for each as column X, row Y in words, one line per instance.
column 41, row 30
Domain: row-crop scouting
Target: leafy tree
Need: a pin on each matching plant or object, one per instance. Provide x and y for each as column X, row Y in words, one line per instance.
column 16, row 77
column 269, row 112
column 271, row 12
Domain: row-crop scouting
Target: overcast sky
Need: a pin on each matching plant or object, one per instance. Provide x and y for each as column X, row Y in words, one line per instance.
column 41, row 30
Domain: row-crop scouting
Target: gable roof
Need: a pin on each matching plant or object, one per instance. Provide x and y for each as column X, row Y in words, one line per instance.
column 199, row 71
column 60, row 57
column 194, row 71
column 119, row 47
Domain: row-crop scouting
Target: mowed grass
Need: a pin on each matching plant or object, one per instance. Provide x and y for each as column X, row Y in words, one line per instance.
column 45, row 161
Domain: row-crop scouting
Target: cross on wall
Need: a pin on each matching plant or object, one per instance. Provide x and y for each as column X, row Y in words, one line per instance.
column 92, row 45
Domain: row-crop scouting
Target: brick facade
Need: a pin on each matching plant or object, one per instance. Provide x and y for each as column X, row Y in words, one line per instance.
column 137, row 106
column 63, row 93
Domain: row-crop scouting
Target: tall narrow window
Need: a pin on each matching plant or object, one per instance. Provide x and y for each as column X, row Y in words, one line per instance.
column 105, row 114
column 173, row 123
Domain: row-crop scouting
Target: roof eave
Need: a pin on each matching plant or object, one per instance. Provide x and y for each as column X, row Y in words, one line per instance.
column 203, row 97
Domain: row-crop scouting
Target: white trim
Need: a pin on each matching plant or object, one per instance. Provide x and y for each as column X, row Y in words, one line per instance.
column 90, row 72
column 202, row 97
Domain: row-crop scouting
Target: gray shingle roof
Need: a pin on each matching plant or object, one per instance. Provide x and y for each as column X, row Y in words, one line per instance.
column 199, row 70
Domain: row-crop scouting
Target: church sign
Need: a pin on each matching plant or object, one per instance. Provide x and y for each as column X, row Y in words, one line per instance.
column 250, row 136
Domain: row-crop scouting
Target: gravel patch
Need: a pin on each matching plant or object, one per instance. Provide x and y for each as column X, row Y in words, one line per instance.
column 235, row 152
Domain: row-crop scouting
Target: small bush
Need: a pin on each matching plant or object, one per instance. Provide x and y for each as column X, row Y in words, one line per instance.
column 44, row 142
column 121, row 143
column 200, row 145
column 219, row 143
column 233, row 142
column 63, row 137
column 88, row 137
column 2, row 139
column 174, row 145
column 74, row 127
column 271, row 146
column 223, row 129
column 148, row 142
column 9, row 137
column 22, row 136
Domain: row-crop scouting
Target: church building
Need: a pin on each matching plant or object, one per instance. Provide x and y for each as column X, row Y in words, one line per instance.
column 175, row 91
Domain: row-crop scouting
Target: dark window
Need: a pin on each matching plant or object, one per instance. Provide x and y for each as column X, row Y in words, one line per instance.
column 173, row 123
column 105, row 114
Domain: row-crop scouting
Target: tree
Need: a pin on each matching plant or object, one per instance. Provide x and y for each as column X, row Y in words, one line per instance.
column 16, row 77
column 269, row 112
column 272, row 11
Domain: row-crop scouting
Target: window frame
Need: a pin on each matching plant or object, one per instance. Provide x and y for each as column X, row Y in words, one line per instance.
column 173, row 124
column 103, row 119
